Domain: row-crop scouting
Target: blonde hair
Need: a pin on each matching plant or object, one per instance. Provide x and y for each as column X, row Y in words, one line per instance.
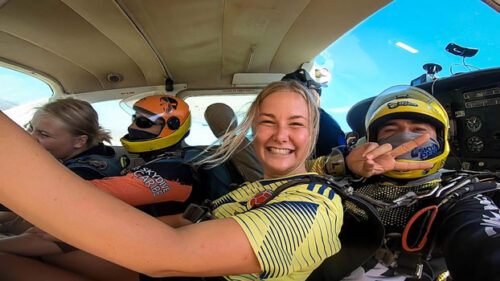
column 232, row 140
column 79, row 117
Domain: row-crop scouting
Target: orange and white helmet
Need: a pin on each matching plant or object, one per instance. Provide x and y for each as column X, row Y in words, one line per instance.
column 177, row 122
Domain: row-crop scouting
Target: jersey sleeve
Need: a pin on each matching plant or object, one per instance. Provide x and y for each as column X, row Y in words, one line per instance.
column 295, row 231
column 144, row 186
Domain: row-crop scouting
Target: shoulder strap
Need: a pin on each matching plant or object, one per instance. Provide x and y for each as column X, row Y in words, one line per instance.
column 361, row 235
column 342, row 190
column 107, row 166
column 281, row 188
column 216, row 181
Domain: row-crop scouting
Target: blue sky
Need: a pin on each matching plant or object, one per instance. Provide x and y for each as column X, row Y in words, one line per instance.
column 17, row 88
column 366, row 60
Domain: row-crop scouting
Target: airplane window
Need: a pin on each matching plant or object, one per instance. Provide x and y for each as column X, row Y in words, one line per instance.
column 116, row 120
column 113, row 118
column 20, row 94
column 200, row 133
column 391, row 47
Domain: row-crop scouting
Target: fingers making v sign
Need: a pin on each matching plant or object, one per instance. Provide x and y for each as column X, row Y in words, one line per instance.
column 373, row 159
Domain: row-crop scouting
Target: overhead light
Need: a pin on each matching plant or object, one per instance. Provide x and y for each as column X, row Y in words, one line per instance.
column 406, row 47
column 114, row 77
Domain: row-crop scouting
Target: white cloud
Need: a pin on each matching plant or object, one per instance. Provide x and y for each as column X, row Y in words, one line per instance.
column 407, row 47
column 339, row 109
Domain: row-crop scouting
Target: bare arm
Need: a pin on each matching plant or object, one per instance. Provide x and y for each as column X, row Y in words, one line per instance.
column 37, row 187
column 175, row 220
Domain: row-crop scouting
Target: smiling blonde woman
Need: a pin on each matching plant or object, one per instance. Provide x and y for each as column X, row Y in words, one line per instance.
column 284, row 239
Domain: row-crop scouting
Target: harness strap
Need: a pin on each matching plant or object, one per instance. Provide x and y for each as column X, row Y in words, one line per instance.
column 430, row 210
column 106, row 166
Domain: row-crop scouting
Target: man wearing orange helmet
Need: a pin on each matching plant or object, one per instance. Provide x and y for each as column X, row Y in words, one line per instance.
column 426, row 211
column 159, row 124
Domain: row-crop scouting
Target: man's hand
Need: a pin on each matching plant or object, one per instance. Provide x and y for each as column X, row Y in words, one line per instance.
column 372, row 159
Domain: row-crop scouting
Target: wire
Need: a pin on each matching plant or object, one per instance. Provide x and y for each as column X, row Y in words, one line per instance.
column 468, row 66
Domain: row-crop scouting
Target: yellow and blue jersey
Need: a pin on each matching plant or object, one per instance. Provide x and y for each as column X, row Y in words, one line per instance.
column 290, row 235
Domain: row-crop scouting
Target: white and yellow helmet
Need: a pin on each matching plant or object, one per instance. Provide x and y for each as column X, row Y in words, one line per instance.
column 407, row 102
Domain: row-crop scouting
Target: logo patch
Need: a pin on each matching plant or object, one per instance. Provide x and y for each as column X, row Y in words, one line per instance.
column 425, row 153
column 152, row 180
column 259, row 198
column 393, row 105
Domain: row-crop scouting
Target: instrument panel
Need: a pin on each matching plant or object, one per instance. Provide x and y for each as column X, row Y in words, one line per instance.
column 472, row 101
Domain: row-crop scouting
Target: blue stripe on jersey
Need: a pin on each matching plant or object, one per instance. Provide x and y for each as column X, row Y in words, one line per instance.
column 223, row 200
column 329, row 246
column 294, row 241
column 331, row 194
column 276, row 236
column 322, row 189
column 270, row 242
column 300, row 226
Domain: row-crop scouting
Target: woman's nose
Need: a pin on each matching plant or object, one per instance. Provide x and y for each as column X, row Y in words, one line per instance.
column 281, row 134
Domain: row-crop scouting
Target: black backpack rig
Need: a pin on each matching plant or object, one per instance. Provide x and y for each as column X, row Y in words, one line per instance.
column 361, row 235
column 415, row 252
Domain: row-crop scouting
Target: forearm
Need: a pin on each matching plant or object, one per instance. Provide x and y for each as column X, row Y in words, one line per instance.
column 71, row 209
column 175, row 220
column 67, row 207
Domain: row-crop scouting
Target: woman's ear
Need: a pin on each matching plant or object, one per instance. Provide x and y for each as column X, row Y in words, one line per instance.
column 80, row 141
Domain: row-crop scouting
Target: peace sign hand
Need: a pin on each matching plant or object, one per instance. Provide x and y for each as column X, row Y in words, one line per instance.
column 372, row 159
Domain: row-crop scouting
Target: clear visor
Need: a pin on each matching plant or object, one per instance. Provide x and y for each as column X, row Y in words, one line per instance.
column 127, row 105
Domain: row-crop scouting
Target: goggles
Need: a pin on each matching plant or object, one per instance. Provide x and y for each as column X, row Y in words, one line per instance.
column 143, row 122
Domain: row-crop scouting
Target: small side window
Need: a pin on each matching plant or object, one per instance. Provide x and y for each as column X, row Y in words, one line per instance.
column 200, row 133
column 21, row 94
column 113, row 118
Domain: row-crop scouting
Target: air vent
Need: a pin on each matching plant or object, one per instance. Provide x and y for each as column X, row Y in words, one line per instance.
column 114, row 78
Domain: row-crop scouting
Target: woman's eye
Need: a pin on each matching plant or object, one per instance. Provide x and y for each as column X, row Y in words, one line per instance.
column 297, row 124
column 266, row 122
